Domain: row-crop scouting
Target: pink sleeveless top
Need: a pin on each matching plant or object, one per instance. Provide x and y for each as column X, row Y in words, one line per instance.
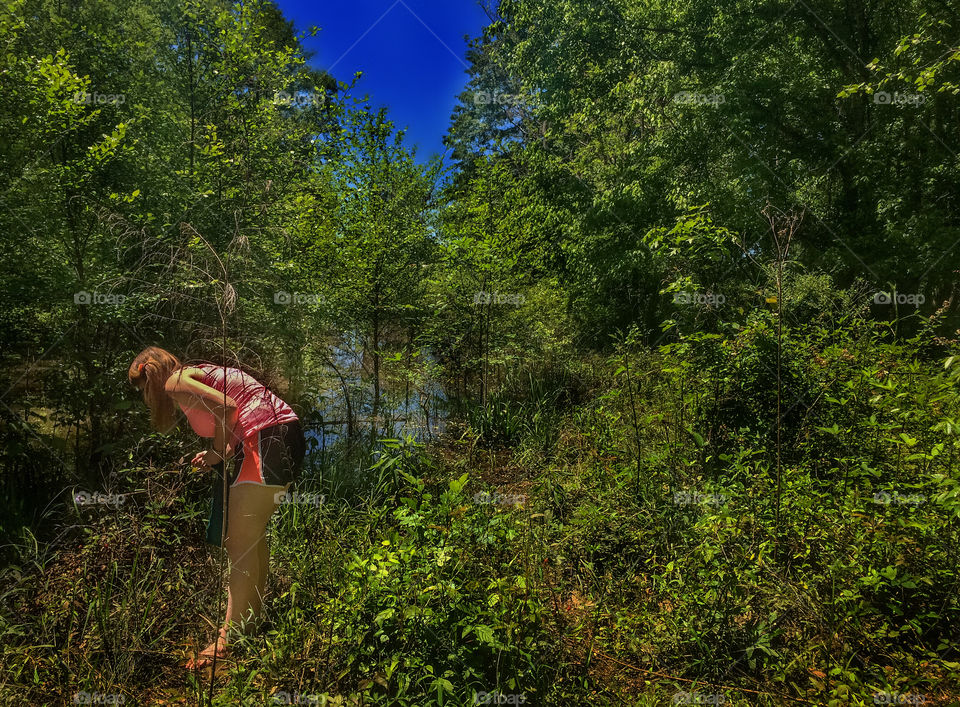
column 257, row 406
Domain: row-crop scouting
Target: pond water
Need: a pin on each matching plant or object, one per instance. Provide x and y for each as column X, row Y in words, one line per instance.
column 412, row 399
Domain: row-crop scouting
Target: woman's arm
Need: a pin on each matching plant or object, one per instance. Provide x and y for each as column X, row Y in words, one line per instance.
column 186, row 389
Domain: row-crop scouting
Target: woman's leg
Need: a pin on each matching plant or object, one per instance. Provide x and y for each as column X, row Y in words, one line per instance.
column 263, row 555
column 249, row 509
column 251, row 506
column 263, row 565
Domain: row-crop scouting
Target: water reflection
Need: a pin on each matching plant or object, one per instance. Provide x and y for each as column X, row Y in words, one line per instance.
column 413, row 403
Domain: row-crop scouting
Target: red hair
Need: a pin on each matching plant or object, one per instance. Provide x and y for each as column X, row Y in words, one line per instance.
column 149, row 372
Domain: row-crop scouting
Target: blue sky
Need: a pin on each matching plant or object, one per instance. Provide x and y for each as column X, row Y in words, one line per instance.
column 411, row 53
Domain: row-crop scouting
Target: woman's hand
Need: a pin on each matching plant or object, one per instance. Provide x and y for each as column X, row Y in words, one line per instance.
column 208, row 458
column 204, row 459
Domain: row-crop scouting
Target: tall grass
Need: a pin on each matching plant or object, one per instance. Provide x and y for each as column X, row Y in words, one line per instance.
column 622, row 550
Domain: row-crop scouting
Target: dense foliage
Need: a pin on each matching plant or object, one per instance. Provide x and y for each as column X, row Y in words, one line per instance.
column 682, row 306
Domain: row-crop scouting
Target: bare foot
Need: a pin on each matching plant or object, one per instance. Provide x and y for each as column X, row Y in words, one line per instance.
column 205, row 657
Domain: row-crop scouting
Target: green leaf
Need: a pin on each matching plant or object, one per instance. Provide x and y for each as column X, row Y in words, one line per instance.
column 484, row 634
